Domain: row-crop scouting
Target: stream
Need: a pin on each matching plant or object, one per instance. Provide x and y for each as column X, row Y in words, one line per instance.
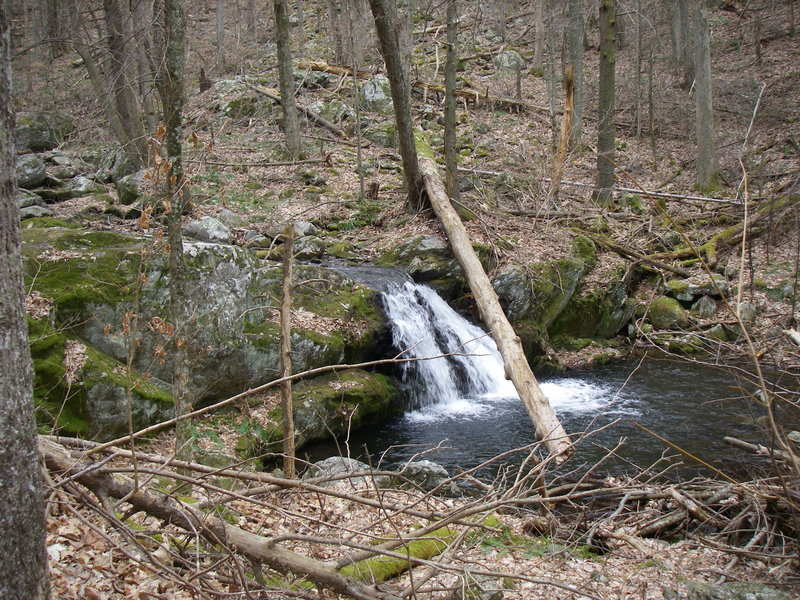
column 464, row 412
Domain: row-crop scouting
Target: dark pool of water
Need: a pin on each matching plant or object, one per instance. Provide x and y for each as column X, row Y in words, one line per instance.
column 693, row 406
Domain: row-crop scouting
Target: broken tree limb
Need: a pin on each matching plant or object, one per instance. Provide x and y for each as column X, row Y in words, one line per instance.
column 275, row 96
column 548, row 427
column 758, row 449
column 631, row 253
column 472, row 95
column 216, row 531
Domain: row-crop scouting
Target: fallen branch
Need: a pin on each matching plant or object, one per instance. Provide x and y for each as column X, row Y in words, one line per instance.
column 216, row 531
column 631, row 253
column 275, row 96
column 759, row 449
column 472, row 95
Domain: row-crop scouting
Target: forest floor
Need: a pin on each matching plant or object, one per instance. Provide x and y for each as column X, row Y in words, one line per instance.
column 506, row 158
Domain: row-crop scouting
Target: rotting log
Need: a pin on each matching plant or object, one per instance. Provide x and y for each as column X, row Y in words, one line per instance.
column 548, row 427
column 275, row 96
column 216, row 531
column 471, row 95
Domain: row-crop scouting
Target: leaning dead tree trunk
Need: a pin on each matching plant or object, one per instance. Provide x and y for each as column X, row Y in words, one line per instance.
column 548, row 427
column 286, row 354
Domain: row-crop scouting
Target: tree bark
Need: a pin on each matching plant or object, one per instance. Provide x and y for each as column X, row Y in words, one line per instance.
column 548, row 428
column 291, row 128
column 121, row 60
column 286, row 354
column 606, row 102
column 687, row 43
column 576, row 58
column 385, row 15
column 566, row 133
column 220, row 23
column 23, row 561
column 450, row 150
column 171, row 88
column 707, row 162
column 538, row 41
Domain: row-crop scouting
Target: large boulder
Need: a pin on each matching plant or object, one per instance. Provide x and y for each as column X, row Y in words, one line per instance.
column 129, row 187
column 99, row 281
column 42, row 131
column 428, row 259
column 30, row 171
column 509, row 60
column 208, row 229
column 376, row 95
column 666, row 313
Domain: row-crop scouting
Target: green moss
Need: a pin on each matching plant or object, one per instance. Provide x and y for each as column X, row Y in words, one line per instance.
column 63, row 405
column 101, row 276
column 46, row 222
column 666, row 313
column 383, row 568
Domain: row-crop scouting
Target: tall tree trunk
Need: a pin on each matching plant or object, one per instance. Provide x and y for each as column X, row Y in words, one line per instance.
column 220, row 23
column 576, row 58
column 450, row 154
column 385, row 15
column 538, row 42
column 54, row 15
column 122, row 59
column 563, row 142
column 687, row 43
column 707, row 163
column 291, row 127
column 286, row 354
column 171, row 87
column 23, row 561
column 606, row 103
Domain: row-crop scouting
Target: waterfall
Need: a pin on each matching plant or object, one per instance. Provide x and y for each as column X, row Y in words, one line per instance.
column 468, row 364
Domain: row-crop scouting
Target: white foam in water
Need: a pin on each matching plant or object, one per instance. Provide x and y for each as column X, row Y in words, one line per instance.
column 470, row 382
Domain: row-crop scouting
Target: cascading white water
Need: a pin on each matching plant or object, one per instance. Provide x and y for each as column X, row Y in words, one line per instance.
column 467, row 363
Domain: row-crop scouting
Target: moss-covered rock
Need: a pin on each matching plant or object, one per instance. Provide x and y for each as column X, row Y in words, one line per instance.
column 429, row 259
column 666, row 313
column 94, row 398
column 108, row 288
column 325, row 407
column 599, row 311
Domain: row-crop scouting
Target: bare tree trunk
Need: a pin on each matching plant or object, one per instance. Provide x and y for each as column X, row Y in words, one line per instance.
column 54, row 15
column 220, row 18
column 707, row 162
column 23, row 561
column 538, row 28
column 450, row 154
column 121, row 61
column 385, row 15
column 638, row 70
column 251, row 28
column 286, row 354
column 687, row 44
column 291, row 127
column 171, row 88
column 563, row 143
column 576, row 34
column 301, row 29
column 606, row 104
column 548, row 428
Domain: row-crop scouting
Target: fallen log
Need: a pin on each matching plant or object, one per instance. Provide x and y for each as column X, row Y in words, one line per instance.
column 548, row 427
column 275, row 96
column 472, row 95
column 759, row 449
column 258, row 548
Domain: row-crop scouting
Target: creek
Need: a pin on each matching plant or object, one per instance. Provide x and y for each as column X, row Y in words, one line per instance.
column 462, row 410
